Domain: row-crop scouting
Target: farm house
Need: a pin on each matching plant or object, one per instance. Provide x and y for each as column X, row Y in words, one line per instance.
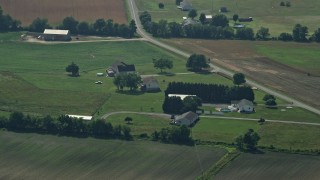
column 56, row 35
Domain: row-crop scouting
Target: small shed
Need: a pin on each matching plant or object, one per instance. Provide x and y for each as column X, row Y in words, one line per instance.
column 247, row 19
column 185, row 6
column 223, row 9
column 56, row 35
column 188, row 119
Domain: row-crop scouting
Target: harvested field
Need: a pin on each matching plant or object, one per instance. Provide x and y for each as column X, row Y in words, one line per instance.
column 34, row 156
column 272, row 166
column 55, row 11
column 243, row 56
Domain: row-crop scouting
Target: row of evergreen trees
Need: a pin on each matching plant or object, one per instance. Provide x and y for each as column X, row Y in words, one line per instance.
column 211, row 93
column 64, row 125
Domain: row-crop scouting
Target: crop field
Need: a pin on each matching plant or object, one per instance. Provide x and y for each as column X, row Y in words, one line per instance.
column 285, row 74
column 33, row 156
column 272, row 166
column 55, row 11
column 266, row 13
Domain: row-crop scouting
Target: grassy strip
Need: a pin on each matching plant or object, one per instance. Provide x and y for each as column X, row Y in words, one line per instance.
column 217, row 167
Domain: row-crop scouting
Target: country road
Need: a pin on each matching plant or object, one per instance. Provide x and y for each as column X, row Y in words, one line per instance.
column 105, row 116
column 134, row 14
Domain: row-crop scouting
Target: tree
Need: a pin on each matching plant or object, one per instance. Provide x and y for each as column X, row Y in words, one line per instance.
column 268, row 96
column 316, row 35
column 263, row 33
column 175, row 29
column 285, row 37
column 220, row 20
column 73, row 68
column 248, row 141
column 99, row 26
column 202, row 18
column 245, row 33
column 162, row 64
column 192, row 13
column 127, row 133
column 161, row 5
column 299, row 33
column 132, row 81
column 271, row 102
column 38, row 25
column 191, row 103
column 83, row 28
column 119, row 81
column 128, row 120
column 145, row 17
column 70, row 24
column 197, row 62
column 132, row 27
column 238, row 78
column 235, row 17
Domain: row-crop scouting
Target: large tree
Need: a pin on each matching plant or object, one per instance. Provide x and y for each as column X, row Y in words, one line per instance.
column 83, row 28
column 202, row 18
column 248, row 141
column 132, row 27
column 130, row 80
column 99, row 26
column 162, row 63
column 192, row 13
column 263, row 34
column 197, row 62
column 73, row 68
column 235, row 17
column 299, row 33
column 316, row 35
column 245, row 33
column 69, row 23
column 220, row 20
column 239, row 78
column 191, row 103
column 38, row 25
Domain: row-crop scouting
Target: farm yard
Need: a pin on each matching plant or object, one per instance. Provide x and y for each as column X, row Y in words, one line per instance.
column 279, row 65
column 266, row 13
column 55, row 11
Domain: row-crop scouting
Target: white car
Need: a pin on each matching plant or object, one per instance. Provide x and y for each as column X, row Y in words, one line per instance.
column 98, row 82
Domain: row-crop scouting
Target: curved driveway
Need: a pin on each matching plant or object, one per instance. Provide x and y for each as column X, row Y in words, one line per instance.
column 134, row 12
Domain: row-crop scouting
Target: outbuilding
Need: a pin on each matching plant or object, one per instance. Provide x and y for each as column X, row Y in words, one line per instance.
column 150, row 84
column 56, row 35
column 188, row 119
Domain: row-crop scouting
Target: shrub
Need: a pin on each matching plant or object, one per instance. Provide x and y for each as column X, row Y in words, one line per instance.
column 285, row 37
column 282, row 3
column 161, row 5
column 271, row 102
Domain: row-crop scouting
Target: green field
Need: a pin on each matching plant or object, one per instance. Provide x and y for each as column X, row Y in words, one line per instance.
column 303, row 57
column 272, row 166
column 266, row 13
column 33, row 156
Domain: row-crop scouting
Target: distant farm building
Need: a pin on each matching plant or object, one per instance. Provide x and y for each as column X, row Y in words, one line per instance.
column 150, row 84
column 56, row 35
column 248, row 19
column 239, row 26
column 88, row 118
column 188, row 119
column 181, row 96
column 120, row 68
column 189, row 21
column 243, row 105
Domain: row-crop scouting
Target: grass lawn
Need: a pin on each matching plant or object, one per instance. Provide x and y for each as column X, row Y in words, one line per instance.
column 34, row 156
column 302, row 57
column 221, row 130
column 266, row 13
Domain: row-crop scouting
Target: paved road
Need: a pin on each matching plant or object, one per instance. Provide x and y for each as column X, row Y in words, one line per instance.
column 215, row 117
column 135, row 16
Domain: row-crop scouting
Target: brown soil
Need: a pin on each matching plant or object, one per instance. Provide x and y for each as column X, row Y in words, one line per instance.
column 241, row 56
column 55, row 11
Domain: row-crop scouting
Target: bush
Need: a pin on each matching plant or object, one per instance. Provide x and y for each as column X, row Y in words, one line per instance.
column 271, row 102
column 288, row 4
column 285, row 37
column 268, row 96
column 282, row 3
column 161, row 5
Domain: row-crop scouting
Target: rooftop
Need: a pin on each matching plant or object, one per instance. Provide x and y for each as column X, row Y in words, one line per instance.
column 56, row 31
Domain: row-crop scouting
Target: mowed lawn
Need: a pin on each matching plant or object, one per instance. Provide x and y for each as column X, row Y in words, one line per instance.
column 266, row 13
column 34, row 156
column 272, row 166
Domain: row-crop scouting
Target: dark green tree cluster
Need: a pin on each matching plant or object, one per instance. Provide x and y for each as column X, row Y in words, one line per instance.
column 270, row 100
column 73, row 69
column 300, row 34
column 100, row 27
column 176, row 135
column 197, row 62
column 130, row 80
column 211, row 93
column 174, row 105
column 64, row 125
column 7, row 23
column 238, row 78
column 248, row 141
column 162, row 63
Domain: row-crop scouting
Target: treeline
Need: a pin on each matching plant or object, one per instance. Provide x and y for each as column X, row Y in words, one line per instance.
column 100, row 27
column 64, row 125
column 176, row 135
column 211, row 93
column 7, row 23
column 218, row 28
